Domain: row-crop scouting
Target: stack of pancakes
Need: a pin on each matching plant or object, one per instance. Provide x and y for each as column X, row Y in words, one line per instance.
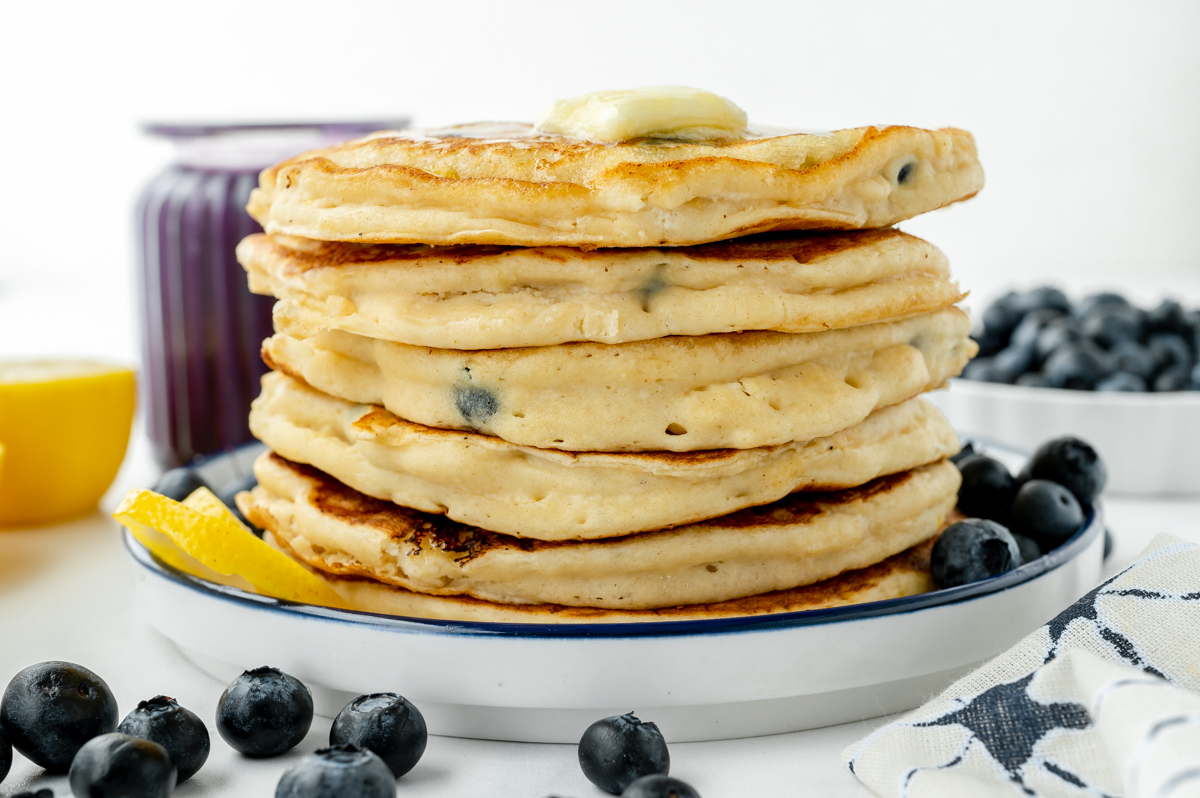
column 522, row 377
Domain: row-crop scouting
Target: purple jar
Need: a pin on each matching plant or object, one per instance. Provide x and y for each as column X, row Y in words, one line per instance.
column 201, row 327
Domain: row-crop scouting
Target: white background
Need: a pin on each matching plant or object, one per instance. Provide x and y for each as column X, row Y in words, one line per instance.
column 1086, row 114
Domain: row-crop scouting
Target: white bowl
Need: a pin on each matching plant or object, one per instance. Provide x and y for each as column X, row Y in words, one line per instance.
column 699, row 680
column 1150, row 442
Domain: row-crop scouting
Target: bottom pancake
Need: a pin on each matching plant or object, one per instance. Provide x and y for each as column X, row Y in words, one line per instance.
column 801, row 539
column 903, row 574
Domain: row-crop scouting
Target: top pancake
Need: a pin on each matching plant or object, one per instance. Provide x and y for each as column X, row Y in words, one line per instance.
column 503, row 183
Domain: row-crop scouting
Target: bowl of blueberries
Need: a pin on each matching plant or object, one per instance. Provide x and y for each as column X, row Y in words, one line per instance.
column 1123, row 377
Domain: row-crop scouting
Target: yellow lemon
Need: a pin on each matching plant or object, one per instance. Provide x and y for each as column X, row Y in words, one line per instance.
column 65, row 426
column 201, row 536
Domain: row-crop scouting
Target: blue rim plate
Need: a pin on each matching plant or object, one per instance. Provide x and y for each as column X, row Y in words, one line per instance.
column 1080, row 541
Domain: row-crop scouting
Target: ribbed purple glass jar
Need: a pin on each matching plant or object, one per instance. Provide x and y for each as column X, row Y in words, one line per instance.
column 201, row 327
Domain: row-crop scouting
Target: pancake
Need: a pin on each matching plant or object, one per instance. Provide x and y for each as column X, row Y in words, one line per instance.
column 802, row 539
column 504, row 183
column 903, row 574
column 481, row 297
column 684, row 393
column 555, row 495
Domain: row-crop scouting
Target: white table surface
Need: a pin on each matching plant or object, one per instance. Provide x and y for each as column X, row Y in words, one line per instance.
column 66, row 593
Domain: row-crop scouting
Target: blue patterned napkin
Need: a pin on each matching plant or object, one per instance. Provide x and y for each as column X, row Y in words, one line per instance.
column 1102, row 701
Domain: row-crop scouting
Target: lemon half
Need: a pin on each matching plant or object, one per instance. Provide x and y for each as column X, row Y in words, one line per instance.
column 64, row 425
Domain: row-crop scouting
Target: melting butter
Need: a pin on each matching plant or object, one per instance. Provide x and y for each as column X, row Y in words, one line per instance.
column 675, row 113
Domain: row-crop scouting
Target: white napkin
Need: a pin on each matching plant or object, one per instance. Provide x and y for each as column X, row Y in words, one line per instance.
column 1102, row 701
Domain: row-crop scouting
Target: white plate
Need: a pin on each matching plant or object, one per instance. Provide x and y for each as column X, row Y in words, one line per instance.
column 1150, row 442
column 699, row 680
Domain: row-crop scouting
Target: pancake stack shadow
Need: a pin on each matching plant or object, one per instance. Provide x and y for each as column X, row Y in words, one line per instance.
column 486, row 403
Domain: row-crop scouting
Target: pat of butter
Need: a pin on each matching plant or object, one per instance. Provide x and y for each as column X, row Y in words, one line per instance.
column 676, row 113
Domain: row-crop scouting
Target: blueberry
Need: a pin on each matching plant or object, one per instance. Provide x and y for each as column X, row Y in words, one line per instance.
column 1073, row 366
column 1027, row 332
column 1001, row 317
column 119, row 766
column 475, row 405
column 1090, row 303
column 1109, row 325
column 342, row 771
column 386, row 724
column 1014, row 361
column 983, row 369
column 987, row 488
column 966, row 451
column 1169, row 352
column 1047, row 512
column 617, row 751
column 1044, row 297
column 1123, row 381
column 1071, row 463
column 161, row 720
column 990, row 343
column 1168, row 317
column 1033, row 380
column 1173, row 379
column 659, row 786
column 1029, row 548
column 179, row 483
column 1132, row 357
column 972, row 550
column 51, row 709
column 264, row 712
column 1059, row 332
column 5, row 755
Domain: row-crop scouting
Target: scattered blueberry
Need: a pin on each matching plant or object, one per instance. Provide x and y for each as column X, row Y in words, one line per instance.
column 971, row 550
column 475, row 405
column 659, row 786
column 264, row 712
column 161, row 720
column 342, row 771
column 51, row 709
column 179, row 483
column 5, row 755
column 1046, row 512
column 1029, row 549
column 1124, row 382
column 119, row 766
column 617, row 751
column 987, row 488
column 386, row 724
column 1071, row 463
column 966, row 451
